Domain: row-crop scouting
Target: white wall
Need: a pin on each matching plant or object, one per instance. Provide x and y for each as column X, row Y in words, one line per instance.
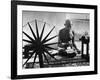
column 5, row 20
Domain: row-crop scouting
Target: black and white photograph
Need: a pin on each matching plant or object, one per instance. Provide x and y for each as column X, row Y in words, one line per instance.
column 53, row 39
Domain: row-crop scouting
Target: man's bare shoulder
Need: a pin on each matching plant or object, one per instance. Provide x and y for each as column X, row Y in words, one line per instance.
column 63, row 29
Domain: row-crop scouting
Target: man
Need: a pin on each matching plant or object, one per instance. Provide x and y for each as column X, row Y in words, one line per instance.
column 66, row 36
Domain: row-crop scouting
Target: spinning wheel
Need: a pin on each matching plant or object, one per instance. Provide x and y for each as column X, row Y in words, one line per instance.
column 38, row 44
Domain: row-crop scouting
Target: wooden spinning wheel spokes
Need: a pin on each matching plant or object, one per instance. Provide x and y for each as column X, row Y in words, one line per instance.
column 39, row 45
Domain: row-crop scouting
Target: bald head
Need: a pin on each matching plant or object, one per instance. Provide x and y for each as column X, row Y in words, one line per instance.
column 67, row 24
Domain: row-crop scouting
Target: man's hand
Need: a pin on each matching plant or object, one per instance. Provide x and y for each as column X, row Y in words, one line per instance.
column 63, row 44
